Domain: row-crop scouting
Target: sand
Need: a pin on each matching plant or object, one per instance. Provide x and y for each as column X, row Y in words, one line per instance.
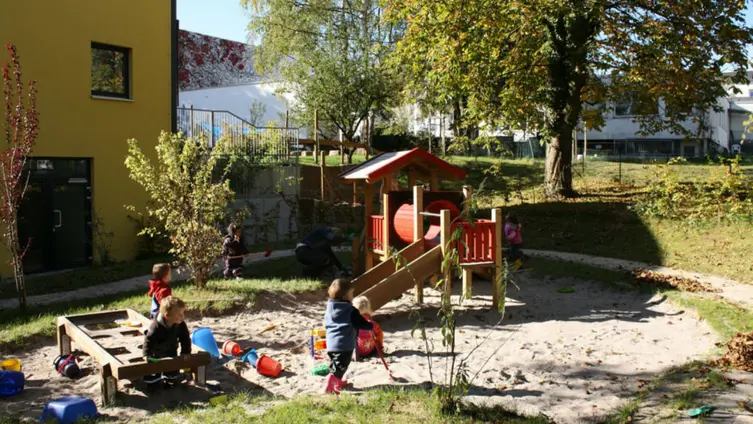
column 574, row 357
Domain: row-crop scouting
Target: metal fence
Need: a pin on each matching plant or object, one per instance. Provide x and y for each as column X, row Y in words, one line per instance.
column 273, row 143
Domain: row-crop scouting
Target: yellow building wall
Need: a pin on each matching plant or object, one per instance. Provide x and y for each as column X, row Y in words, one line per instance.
column 54, row 43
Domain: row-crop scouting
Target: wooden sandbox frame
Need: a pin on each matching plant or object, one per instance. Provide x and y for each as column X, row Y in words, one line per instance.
column 123, row 358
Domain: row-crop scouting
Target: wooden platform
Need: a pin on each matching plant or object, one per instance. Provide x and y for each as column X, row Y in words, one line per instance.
column 117, row 348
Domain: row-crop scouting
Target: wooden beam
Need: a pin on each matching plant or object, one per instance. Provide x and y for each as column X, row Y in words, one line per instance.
column 418, row 232
column 497, row 279
column 444, row 223
column 355, row 192
column 412, row 177
column 368, row 210
column 434, row 181
column 386, row 214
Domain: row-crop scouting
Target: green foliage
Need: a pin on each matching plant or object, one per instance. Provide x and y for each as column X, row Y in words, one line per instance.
column 187, row 201
column 726, row 195
column 546, row 65
column 331, row 55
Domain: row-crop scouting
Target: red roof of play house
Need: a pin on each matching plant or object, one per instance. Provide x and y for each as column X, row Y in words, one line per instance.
column 385, row 164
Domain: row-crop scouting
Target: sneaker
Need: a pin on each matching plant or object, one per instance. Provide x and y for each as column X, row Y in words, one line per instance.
column 174, row 377
column 333, row 385
column 152, row 379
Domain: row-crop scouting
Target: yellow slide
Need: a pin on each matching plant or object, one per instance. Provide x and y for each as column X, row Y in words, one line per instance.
column 383, row 270
column 420, row 269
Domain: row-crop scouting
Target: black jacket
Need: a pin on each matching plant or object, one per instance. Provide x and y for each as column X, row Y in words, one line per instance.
column 232, row 247
column 161, row 341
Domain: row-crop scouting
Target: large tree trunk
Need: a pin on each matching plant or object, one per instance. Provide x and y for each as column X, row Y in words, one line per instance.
column 559, row 170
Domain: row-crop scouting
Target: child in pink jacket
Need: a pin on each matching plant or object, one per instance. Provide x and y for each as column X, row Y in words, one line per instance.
column 514, row 236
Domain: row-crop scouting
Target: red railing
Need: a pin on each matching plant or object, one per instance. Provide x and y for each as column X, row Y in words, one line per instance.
column 376, row 233
column 476, row 243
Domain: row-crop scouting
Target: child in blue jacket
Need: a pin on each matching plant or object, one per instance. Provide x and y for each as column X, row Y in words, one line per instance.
column 342, row 322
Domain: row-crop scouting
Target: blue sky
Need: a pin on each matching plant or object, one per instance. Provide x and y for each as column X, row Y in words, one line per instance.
column 227, row 19
column 219, row 18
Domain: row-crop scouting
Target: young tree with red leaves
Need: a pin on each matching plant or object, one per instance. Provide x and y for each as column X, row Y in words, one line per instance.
column 21, row 127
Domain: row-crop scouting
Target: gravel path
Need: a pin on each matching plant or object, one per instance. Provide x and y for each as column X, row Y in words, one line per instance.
column 121, row 286
column 733, row 291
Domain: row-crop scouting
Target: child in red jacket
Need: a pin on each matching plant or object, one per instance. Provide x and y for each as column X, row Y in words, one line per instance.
column 159, row 287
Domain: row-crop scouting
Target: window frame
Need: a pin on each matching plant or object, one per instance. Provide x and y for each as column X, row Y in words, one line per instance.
column 126, row 51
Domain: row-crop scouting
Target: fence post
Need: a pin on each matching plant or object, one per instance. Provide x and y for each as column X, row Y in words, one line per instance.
column 321, row 167
column 211, row 130
column 192, row 122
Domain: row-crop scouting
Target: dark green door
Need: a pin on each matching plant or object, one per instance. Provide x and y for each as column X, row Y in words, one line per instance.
column 55, row 218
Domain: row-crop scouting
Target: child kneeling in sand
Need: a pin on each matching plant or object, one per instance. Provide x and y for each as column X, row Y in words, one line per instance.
column 164, row 334
column 366, row 338
column 341, row 321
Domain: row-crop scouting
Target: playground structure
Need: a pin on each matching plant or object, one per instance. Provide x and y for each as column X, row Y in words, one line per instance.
column 113, row 339
column 406, row 245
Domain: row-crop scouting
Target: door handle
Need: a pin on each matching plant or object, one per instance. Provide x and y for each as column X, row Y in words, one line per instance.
column 60, row 218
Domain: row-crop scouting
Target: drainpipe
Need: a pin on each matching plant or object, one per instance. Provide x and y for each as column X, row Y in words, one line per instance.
column 174, row 25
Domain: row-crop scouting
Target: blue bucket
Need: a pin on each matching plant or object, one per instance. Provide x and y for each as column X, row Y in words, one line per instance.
column 203, row 338
column 69, row 409
column 11, row 383
column 251, row 357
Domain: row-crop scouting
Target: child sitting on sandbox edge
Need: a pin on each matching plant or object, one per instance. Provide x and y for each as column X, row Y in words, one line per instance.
column 341, row 321
column 161, row 339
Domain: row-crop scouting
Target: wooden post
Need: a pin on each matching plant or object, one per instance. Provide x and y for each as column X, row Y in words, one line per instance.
column 444, row 223
column 368, row 207
column 467, row 282
column 418, row 232
column 108, row 385
column 64, row 342
column 386, row 214
column 321, row 167
column 412, row 178
column 316, row 136
column 498, row 224
column 467, row 204
column 355, row 192
column 434, row 181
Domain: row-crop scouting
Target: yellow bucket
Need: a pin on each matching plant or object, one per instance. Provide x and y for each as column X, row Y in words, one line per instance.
column 11, row 365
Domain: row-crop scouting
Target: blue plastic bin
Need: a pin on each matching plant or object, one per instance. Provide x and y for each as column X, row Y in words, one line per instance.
column 11, row 383
column 203, row 338
column 69, row 409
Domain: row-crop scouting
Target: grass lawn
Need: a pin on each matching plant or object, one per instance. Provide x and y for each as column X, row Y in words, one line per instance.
column 219, row 297
column 379, row 406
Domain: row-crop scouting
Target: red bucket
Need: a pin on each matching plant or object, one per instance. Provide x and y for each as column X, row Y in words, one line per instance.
column 268, row 366
column 231, row 348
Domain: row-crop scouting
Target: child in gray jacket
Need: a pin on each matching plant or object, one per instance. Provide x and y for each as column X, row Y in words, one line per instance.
column 342, row 322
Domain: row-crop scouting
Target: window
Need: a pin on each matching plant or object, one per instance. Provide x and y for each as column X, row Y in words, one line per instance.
column 632, row 104
column 110, row 71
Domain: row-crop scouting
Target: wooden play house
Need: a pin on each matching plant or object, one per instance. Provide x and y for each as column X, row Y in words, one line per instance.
column 417, row 220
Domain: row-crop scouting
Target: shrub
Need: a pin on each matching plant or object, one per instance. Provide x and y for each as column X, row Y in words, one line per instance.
column 186, row 200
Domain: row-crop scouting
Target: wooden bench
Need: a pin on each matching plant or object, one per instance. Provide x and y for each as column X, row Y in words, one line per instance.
column 117, row 348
